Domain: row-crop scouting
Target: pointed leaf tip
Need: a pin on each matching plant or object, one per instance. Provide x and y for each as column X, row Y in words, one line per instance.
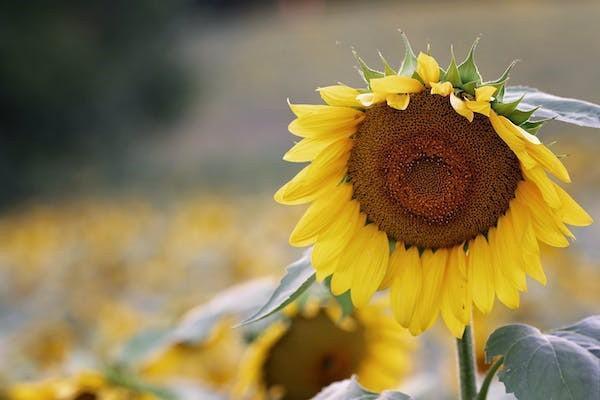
column 299, row 276
column 366, row 72
column 409, row 62
column 387, row 69
column 468, row 69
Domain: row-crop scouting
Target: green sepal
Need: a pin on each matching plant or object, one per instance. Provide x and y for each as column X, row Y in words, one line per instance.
column 500, row 93
column 469, row 87
column 498, row 83
column 468, row 69
column 387, row 69
column 409, row 63
column 520, row 116
column 452, row 75
column 534, row 127
column 366, row 72
column 506, row 108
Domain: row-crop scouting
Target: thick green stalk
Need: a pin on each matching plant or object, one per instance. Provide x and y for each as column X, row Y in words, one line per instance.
column 466, row 365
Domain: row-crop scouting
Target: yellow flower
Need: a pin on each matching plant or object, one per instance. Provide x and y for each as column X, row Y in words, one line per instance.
column 480, row 105
column 445, row 211
column 212, row 363
column 85, row 385
column 393, row 88
column 294, row 358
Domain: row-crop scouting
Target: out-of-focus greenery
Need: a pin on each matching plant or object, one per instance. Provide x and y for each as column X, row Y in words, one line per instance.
column 77, row 77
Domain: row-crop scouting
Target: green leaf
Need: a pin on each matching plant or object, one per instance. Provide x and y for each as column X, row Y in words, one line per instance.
column 366, row 72
column 519, row 116
column 533, row 127
column 572, row 111
column 452, row 75
column 500, row 93
column 238, row 302
column 468, row 69
column 409, row 63
column 506, row 108
column 298, row 278
column 562, row 364
column 142, row 346
column 350, row 389
column 469, row 87
column 199, row 323
column 387, row 70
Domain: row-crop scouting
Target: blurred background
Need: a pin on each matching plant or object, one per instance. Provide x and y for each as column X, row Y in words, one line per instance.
column 141, row 142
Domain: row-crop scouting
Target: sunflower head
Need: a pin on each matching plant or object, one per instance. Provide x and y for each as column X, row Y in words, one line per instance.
column 314, row 345
column 426, row 181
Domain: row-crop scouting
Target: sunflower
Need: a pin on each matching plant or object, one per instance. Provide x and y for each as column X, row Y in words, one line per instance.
column 428, row 183
column 87, row 385
column 212, row 362
column 315, row 345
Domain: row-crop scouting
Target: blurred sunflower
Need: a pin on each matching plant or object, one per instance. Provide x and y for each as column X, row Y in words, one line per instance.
column 426, row 182
column 212, row 362
column 84, row 386
column 295, row 357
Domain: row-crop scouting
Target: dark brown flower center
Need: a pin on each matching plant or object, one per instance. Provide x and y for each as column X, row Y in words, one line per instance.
column 428, row 177
column 311, row 355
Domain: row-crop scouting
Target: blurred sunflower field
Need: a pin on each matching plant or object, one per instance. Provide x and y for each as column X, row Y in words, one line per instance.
column 140, row 148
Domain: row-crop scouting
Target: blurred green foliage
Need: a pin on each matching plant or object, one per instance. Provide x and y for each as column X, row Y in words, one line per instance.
column 79, row 79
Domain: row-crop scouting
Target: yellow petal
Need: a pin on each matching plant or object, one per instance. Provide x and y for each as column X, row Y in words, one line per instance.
column 434, row 266
column 308, row 148
column 543, row 221
column 548, row 160
column 456, row 298
column 398, row 101
column 327, row 170
column 340, row 95
column 341, row 280
column 544, row 184
column 525, row 237
column 392, row 270
column 504, row 129
column 512, row 266
column 324, row 121
column 505, row 291
column 300, row 189
column 321, row 213
column 369, row 99
column 455, row 326
column 406, row 286
column 370, row 267
column 428, row 68
column 396, row 84
column 481, row 107
column 481, row 274
column 570, row 212
column 461, row 107
column 484, row 93
column 441, row 88
column 332, row 242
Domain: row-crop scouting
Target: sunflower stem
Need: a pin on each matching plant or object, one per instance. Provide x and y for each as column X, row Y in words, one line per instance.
column 466, row 365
